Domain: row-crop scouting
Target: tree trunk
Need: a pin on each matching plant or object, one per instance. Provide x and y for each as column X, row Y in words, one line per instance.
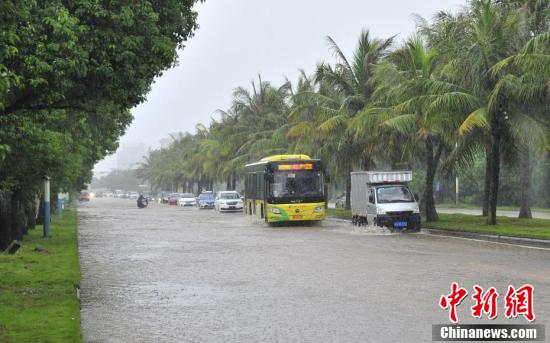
column 228, row 183
column 5, row 219
column 233, row 180
column 348, row 187
column 546, row 177
column 366, row 163
column 487, row 184
column 494, row 161
column 526, row 173
column 17, row 216
column 429, row 201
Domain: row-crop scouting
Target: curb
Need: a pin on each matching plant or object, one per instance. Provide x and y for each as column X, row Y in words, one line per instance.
column 532, row 242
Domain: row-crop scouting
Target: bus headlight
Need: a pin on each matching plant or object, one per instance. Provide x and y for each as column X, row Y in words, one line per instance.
column 275, row 210
column 318, row 209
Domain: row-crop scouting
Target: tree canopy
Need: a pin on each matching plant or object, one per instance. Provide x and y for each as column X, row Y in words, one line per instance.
column 70, row 71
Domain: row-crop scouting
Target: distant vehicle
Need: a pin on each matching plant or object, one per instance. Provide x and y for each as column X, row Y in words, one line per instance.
column 173, row 198
column 133, row 195
column 341, row 201
column 384, row 199
column 206, row 200
column 163, row 196
column 284, row 188
column 228, row 201
column 108, row 195
column 187, row 199
column 84, row 196
column 119, row 193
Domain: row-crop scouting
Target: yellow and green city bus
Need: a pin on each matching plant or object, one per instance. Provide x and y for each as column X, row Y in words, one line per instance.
column 285, row 188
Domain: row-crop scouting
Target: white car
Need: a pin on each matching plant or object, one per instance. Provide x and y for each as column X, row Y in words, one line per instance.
column 187, row 199
column 228, row 201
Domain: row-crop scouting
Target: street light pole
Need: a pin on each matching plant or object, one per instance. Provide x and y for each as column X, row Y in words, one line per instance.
column 456, row 190
column 46, row 206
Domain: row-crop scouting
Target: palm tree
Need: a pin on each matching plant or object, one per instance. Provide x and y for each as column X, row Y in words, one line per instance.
column 354, row 89
column 422, row 107
column 494, row 35
column 263, row 120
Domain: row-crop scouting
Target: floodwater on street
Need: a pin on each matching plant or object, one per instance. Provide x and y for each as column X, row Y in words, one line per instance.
column 173, row 274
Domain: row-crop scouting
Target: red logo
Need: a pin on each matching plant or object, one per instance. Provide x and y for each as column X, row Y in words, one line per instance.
column 517, row 302
column 520, row 301
column 452, row 300
column 485, row 303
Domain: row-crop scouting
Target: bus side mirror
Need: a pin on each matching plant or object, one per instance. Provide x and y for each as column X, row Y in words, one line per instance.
column 416, row 197
column 327, row 178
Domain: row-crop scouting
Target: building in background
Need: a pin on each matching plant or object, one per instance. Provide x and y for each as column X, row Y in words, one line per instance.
column 128, row 156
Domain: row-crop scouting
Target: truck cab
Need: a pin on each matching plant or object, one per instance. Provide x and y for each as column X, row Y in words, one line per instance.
column 384, row 199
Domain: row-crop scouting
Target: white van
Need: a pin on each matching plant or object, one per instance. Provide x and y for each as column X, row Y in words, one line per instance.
column 384, row 199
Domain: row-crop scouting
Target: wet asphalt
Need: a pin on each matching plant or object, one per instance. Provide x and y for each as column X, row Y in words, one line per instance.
column 172, row 274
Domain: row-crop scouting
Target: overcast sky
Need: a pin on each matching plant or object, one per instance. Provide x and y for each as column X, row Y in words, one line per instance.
column 239, row 39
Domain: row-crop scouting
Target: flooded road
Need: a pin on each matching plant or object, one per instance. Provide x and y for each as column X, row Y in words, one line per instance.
column 172, row 274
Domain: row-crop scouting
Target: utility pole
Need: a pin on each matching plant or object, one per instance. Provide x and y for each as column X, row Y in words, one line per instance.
column 456, row 190
column 46, row 206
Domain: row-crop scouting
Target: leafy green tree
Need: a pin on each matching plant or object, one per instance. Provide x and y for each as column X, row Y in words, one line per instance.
column 70, row 71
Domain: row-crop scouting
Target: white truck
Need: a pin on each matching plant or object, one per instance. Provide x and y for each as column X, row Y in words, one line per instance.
column 384, row 199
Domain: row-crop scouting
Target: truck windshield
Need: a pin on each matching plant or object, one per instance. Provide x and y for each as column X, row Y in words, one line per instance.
column 390, row 194
column 296, row 184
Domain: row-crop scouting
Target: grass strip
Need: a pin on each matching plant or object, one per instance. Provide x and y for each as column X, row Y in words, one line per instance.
column 506, row 226
column 339, row 213
column 38, row 301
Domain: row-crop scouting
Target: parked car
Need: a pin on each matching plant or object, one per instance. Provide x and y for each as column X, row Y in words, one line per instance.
column 163, row 196
column 206, row 200
column 84, row 196
column 133, row 195
column 187, row 199
column 228, row 201
column 341, row 201
column 173, row 199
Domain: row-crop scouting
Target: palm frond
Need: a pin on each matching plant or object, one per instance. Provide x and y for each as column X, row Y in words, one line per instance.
column 404, row 124
column 476, row 119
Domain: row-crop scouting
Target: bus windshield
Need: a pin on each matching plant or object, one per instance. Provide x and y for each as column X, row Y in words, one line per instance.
column 297, row 184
